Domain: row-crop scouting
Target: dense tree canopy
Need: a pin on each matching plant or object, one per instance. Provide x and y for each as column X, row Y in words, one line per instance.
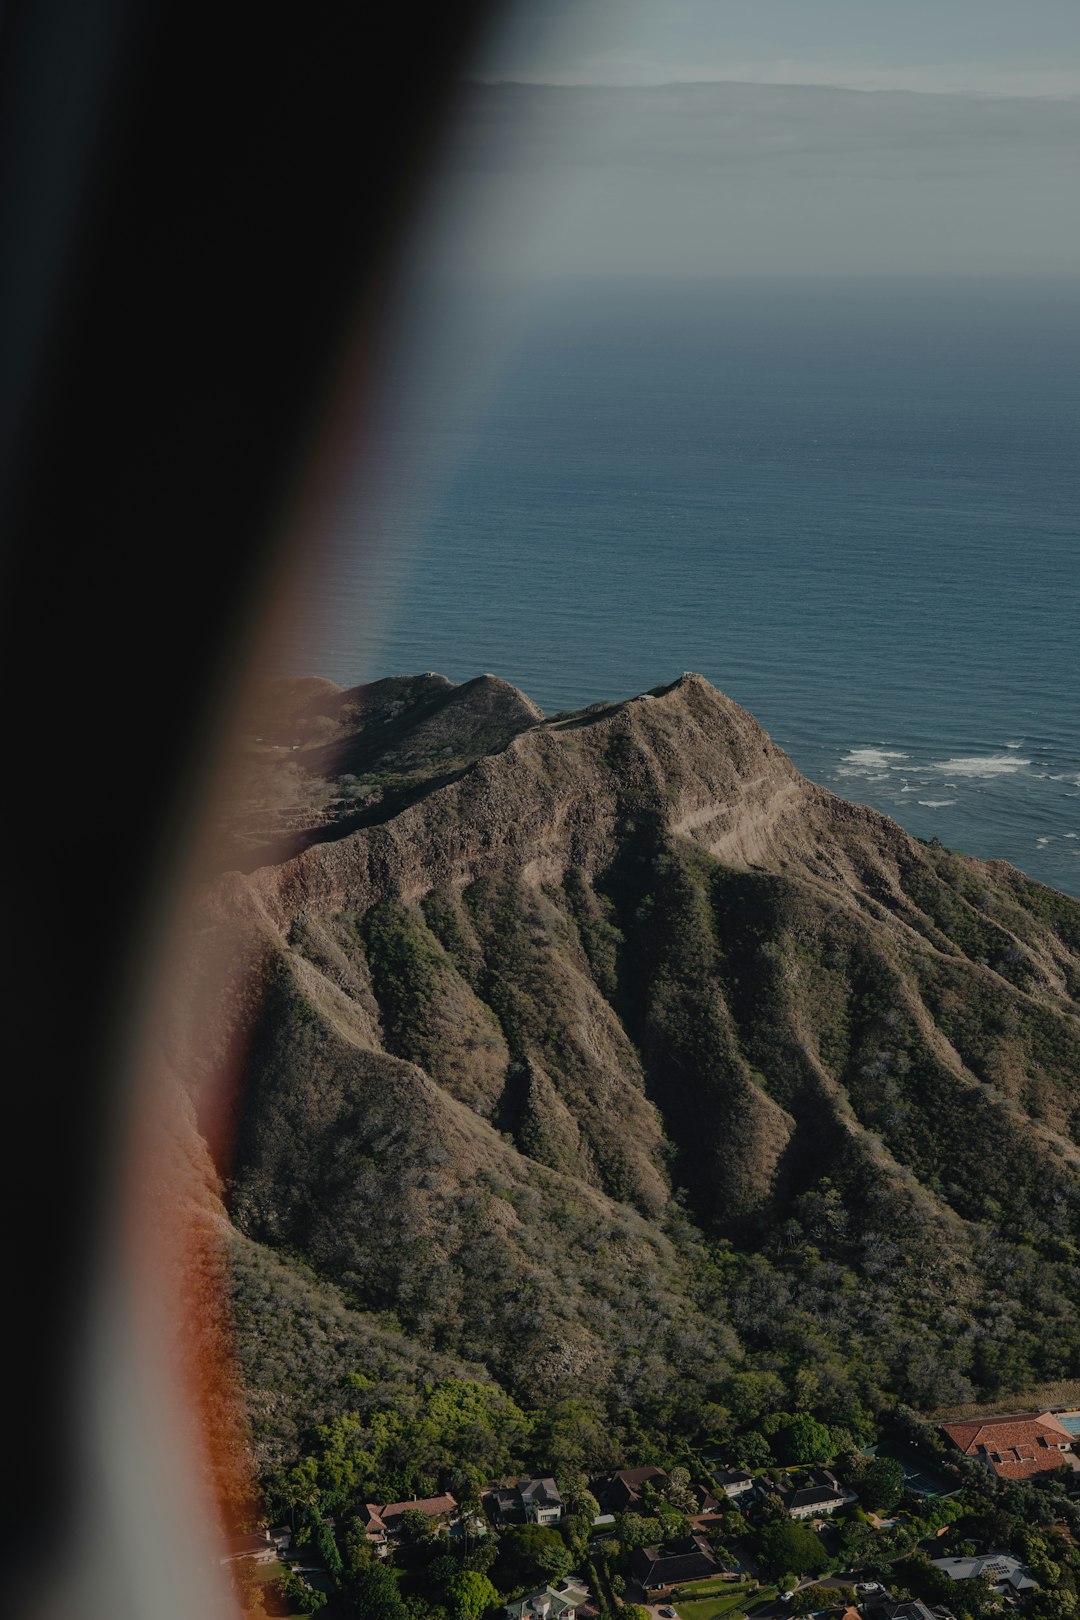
column 531, row 1552
column 881, row 1484
column 469, row 1595
column 376, row 1595
column 788, row 1546
column 802, row 1439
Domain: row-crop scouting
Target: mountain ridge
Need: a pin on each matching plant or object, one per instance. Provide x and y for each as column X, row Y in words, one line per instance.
column 617, row 1003
column 740, row 843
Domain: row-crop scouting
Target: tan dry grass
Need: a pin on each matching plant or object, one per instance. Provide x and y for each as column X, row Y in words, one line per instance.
column 1064, row 1393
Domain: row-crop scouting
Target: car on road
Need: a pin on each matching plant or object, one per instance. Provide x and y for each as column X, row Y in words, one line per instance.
column 668, row 1613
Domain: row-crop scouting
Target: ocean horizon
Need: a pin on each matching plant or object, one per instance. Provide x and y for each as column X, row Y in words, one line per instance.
column 852, row 508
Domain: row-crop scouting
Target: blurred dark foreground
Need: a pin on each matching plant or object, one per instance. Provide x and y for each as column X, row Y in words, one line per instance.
column 200, row 207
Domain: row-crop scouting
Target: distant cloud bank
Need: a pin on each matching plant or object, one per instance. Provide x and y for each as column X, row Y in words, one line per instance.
column 738, row 179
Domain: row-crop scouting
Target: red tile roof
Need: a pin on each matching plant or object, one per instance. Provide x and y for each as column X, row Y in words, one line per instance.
column 1015, row 1446
column 379, row 1519
column 1024, row 1467
column 431, row 1505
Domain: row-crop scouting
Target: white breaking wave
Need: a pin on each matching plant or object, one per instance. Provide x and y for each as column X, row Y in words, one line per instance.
column 868, row 759
column 936, row 804
column 985, row 765
column 1019, row 744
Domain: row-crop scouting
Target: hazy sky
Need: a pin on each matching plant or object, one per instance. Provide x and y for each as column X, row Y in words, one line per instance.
column 1014, row 47
column 738, row 179
column 751, row 137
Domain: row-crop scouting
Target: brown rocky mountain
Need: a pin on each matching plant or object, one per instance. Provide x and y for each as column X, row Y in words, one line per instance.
column 607, row 1051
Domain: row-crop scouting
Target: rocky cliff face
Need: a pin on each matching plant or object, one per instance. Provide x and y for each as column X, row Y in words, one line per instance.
column 548, row 1032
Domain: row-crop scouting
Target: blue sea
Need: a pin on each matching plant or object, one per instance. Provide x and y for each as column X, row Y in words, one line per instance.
column 853, row 508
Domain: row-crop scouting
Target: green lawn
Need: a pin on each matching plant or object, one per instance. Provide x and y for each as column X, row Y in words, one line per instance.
column 264, row 1574
column 715, row 1598
column 702, row 1589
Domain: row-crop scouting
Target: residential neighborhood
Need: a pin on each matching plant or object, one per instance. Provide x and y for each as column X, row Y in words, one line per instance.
column 957, row 1520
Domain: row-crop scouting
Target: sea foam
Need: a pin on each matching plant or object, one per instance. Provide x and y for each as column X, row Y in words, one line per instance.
column 868, row 759
column 983, row 766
